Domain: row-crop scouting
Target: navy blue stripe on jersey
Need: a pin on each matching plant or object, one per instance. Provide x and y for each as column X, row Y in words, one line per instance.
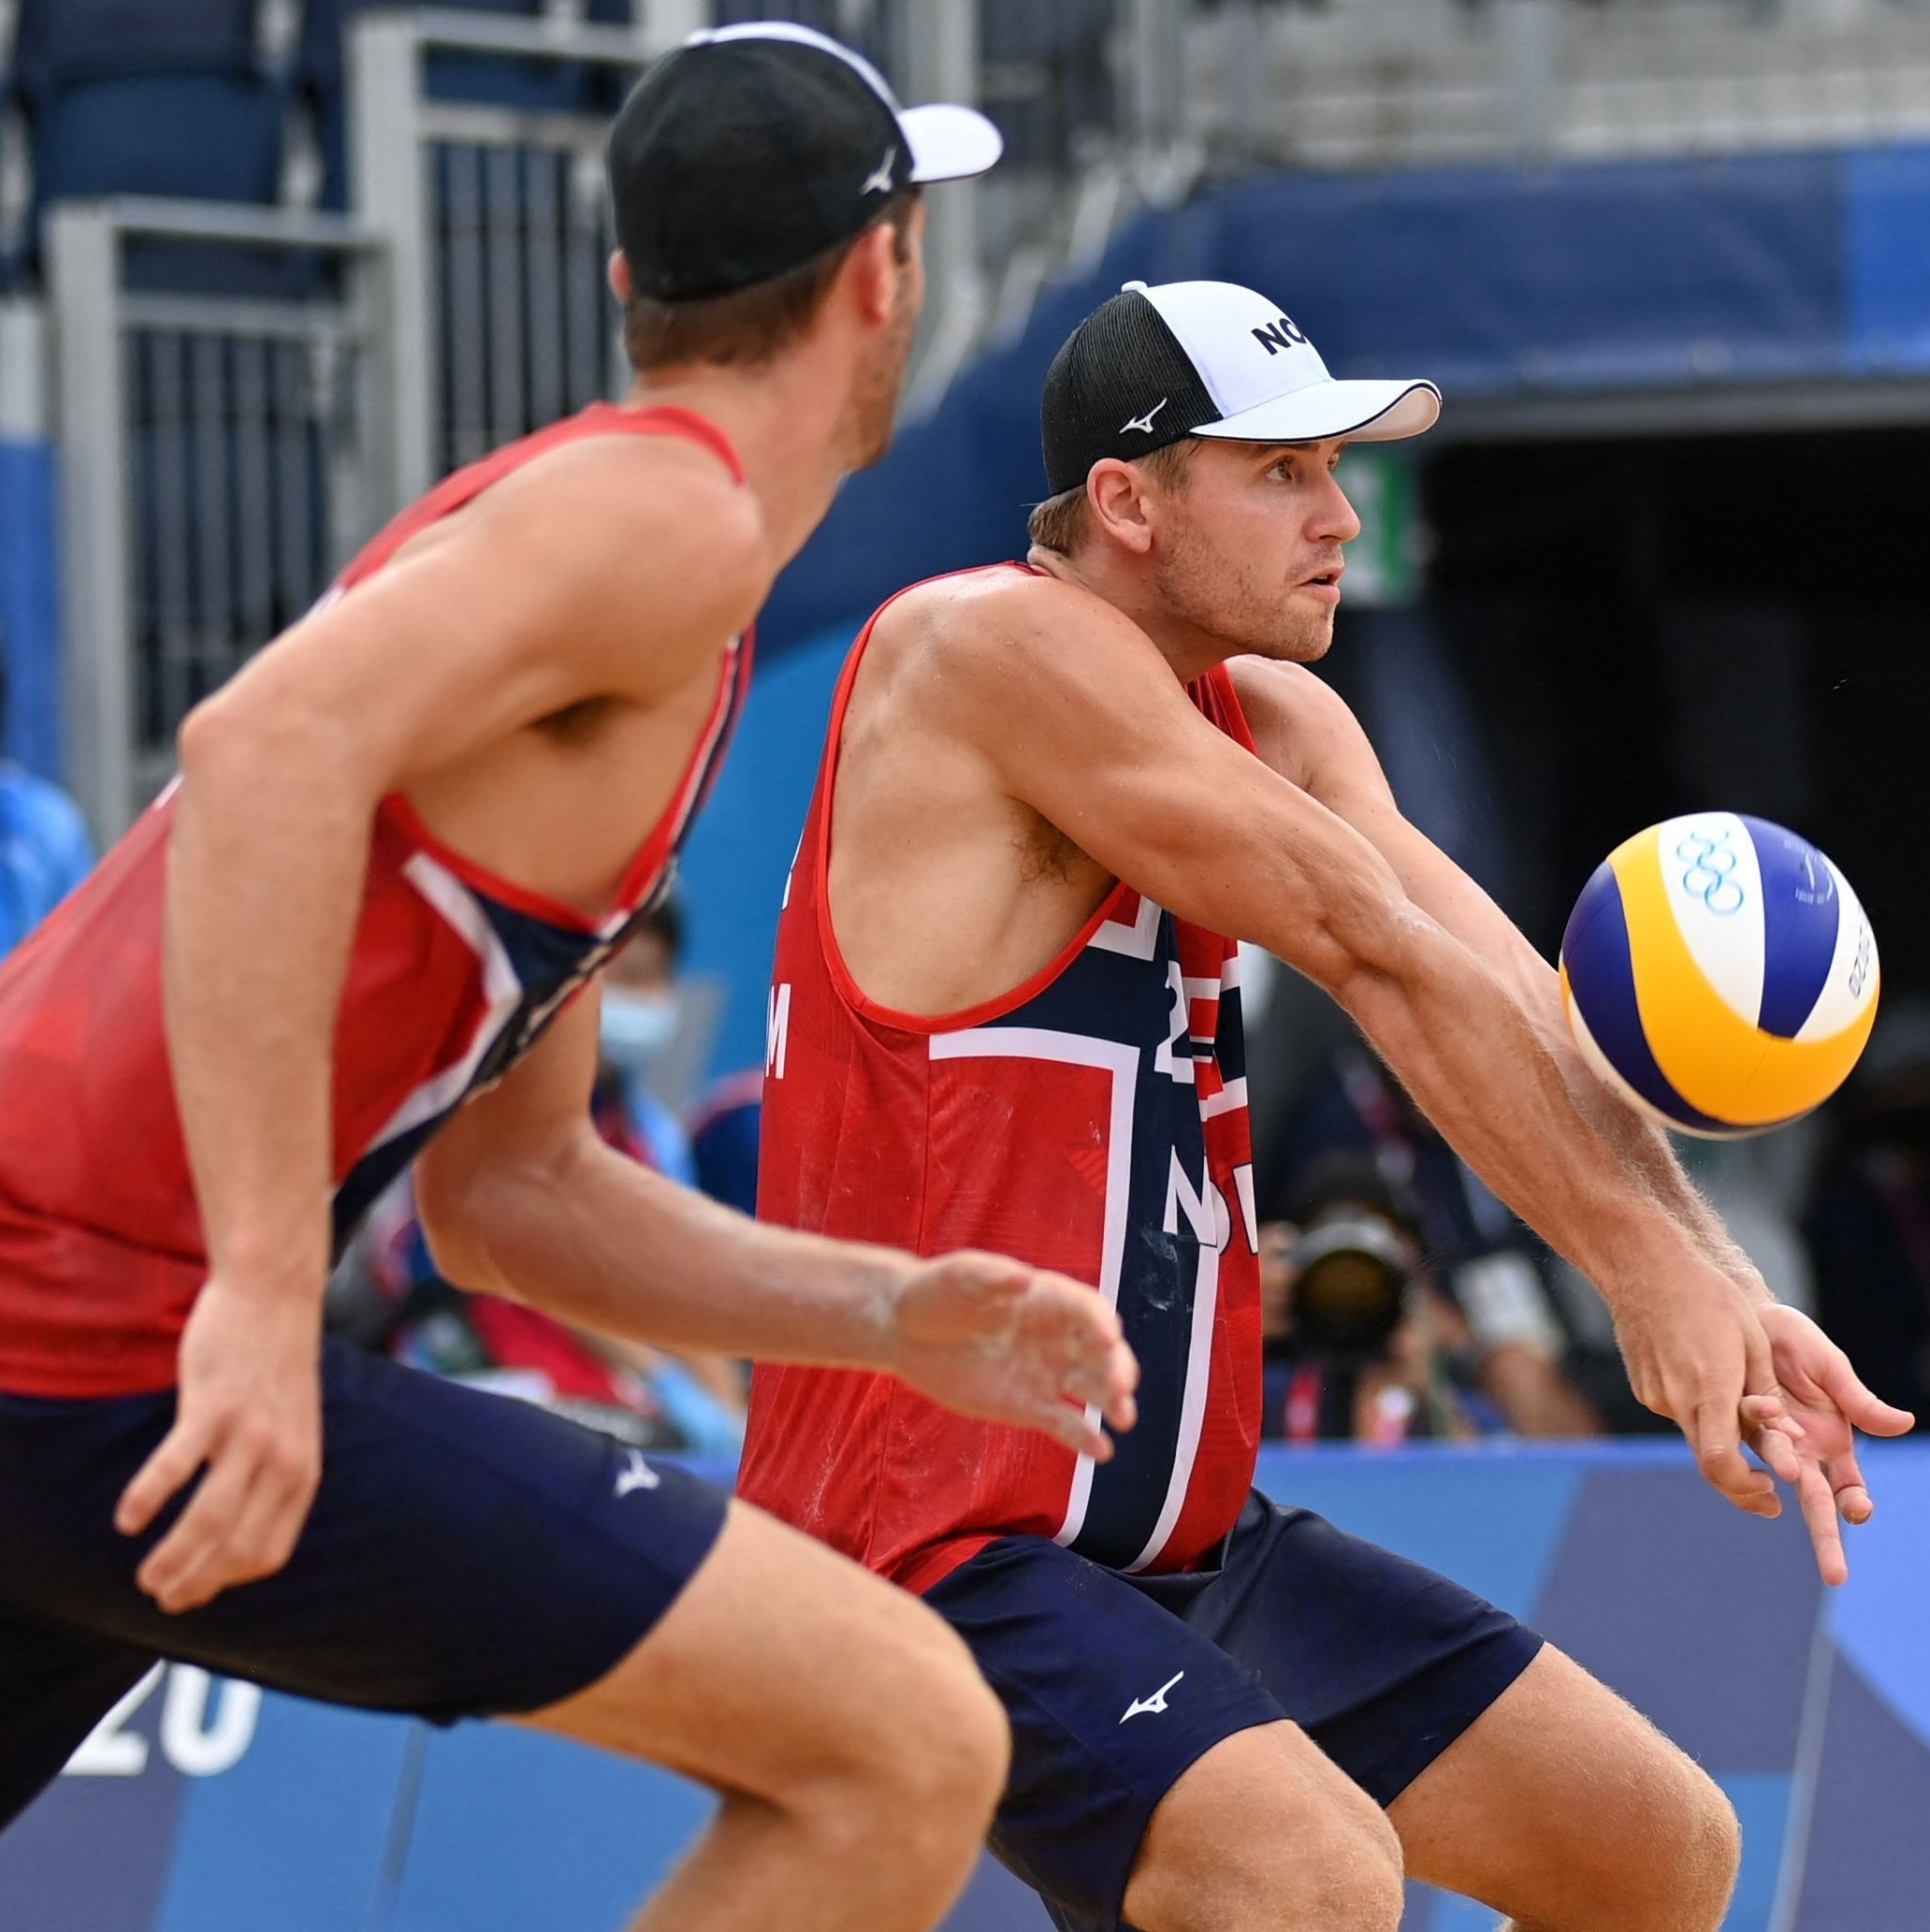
column 1132, row 1009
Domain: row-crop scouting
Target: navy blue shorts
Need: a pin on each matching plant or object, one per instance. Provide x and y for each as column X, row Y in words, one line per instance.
column 1115, row 1685
column 467, row 1556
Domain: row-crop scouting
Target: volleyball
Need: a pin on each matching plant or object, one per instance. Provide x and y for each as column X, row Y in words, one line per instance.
column 1720, row 974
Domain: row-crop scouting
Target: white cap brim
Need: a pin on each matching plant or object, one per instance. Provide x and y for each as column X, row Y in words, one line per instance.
column 1367, row 411
column 948, row 143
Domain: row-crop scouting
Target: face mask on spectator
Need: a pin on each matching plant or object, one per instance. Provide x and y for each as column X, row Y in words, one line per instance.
column 637, row 1026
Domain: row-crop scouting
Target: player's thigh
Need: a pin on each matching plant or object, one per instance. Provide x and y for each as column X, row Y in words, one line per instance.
column 1562, row 1805
column 55, row 1686
column 1265, row 1829
column 465, row 1555
column 781, row 1665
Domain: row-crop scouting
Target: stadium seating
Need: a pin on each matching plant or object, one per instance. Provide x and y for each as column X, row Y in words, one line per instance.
column 67, row 40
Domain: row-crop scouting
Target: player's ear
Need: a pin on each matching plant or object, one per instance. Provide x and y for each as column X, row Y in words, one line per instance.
column 1115, row 492
column 621, row 284
column 873, row 272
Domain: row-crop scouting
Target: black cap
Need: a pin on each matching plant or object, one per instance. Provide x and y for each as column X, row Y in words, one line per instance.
column 753, row 149
column 1204, row 358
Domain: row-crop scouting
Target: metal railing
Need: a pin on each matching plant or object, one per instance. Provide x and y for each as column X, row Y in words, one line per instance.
column 507, row 323
column 220, row 456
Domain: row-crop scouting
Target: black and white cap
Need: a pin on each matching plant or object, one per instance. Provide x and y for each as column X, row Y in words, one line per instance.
column 751, row 149
column 1205, row 359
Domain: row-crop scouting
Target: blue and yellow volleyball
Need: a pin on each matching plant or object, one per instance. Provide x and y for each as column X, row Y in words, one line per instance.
column 1720, row 974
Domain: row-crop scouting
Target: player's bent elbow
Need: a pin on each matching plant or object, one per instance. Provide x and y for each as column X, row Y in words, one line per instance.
column 451, row 1210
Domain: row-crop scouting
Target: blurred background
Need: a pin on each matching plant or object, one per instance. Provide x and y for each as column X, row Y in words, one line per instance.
column 271, row 268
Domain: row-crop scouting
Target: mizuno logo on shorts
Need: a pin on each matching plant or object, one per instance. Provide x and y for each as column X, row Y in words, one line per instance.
column 636, row 1475
column 1154, row 1703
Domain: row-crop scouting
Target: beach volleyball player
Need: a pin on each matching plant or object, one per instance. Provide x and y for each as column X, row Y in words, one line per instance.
column 1006, row 1011
column 405, row 837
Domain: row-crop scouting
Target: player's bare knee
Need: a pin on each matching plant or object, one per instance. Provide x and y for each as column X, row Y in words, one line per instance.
column 927, row 1748
column 1666, row 1861
column 1703, row 1853
column 954, row 1749
column 1308, row 1852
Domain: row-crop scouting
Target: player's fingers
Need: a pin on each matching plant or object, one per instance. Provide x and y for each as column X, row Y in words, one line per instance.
column 259, row 1541
column 1820, row 1514
column 1099, row 1368
column 1854, row 1501
column 182, row 1452
column 1717, row 1438
column 195, row 1547
column 1759, row 1378
column 1076, row 1429
column 1776, row 1447
column 1865, row 1409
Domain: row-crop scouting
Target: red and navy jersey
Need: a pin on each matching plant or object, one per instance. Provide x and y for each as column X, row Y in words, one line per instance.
column 1093, row 1120
column 453, row 975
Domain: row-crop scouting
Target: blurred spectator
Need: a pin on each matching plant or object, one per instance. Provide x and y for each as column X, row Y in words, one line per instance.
column 642, row 1009
column 1488, row 1267
column 1357, row 1340
column 45, row 851
column 388, row 1295
column 724, row 1133
column 1869, row 1225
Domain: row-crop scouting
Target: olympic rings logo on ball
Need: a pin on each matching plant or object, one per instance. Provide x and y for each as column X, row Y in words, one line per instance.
column 1711, row 872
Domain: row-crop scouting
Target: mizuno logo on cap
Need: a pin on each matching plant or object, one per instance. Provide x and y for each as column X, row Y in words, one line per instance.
column 881, row 182
column 1280, row 335
column 1144, row 424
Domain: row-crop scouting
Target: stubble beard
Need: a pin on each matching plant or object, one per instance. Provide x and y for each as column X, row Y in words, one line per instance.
column 1247, row 610
column 879, row 383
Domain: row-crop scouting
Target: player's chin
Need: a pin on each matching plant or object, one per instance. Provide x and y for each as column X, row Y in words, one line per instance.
column 1300, row 643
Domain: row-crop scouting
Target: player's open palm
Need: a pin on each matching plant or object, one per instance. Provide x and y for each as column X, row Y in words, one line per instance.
column 1827, row 1401
column 250, row 1415
column 990, row 1337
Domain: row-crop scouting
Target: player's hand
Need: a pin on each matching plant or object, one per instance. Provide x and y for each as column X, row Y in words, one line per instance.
column 1827, row 1404
column 250, row 1415
column 1697, row 1353
column 992, row 1336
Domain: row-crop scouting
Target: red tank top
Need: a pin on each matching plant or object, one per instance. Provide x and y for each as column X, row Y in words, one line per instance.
column 1093, row 1120
column 453, row 975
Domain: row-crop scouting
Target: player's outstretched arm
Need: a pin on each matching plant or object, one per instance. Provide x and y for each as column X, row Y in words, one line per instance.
column 1306, row 732
column 1109, row 749
column 523, row 607
column 519, row 1196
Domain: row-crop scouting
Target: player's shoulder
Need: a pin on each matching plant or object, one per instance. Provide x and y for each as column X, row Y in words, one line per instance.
column 1292, row 696
column 650, row 501
column 991, row 620
column 1300, row 722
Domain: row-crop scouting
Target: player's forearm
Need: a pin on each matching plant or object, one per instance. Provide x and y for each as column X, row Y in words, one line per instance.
column 599, row 1242
column 1638, row 1144
column 1472, row 1056
column 265, row 865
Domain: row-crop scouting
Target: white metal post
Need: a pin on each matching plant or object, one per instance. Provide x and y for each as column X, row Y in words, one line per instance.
column 1531, row 33
column 668, row 24
column 1154, row 53
column 391, row 197
column 97, row 642
column 940, row 63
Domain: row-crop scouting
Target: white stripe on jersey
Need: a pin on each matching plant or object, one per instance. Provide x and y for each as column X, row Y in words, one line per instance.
column 1123, row 1062
column 502, row 994
column 1138, row 940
